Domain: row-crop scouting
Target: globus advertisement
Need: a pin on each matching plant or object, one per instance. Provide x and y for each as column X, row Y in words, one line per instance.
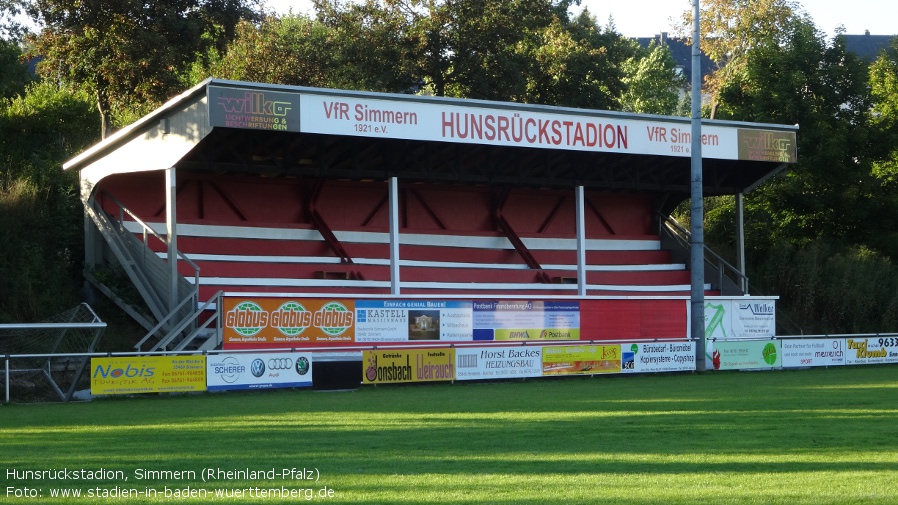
column 813, row 352
column 147, row 374
column 871, row 350
column 475, row 363
column 277, row 322
column 658, row 357
column 408, row 365
column 746, row 354
column 258, row 370
column 581, row 359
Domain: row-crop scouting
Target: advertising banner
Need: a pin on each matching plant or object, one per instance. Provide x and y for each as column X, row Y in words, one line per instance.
column 871, row 350
column 258, row 371
column 413, row 320
column 737, row 318
column 253, row 109
column 813, row 352
column 474, row 363
column 147, row 374
column 526, row 320
column 278, row 322
column 744, row 354
column 658, row 357
column 581, row 360
column 407, row 365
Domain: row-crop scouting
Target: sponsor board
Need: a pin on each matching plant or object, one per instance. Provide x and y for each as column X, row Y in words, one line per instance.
column 871, row 350
column 258, row 371
column 408, row 365
column 474, row 363
column 745, row 354
column 581, row 360
column 658, row 357
column 147, row 374
column 277, row 322
column 813, row 352
column 526, row 320
column 413, row 320
column 253, row 109
column 737, row 318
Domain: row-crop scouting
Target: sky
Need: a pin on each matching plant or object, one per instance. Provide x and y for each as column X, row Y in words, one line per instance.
column 645, row 18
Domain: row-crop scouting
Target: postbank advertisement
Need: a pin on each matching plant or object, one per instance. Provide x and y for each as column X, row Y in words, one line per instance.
column 147, row 374
column 475, row 363
column 581, row 359
column 384, row 366
column 258, row 370
column 278, row 322
column 526, row 320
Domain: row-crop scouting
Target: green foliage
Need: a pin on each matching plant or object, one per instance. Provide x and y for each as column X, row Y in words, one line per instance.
column 124, row 52
column 14, row 74
column 653, row 82
column 40, row 210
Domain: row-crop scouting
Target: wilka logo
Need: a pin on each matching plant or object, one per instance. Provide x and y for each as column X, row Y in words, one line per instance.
column 253, row 110
column 767, row 146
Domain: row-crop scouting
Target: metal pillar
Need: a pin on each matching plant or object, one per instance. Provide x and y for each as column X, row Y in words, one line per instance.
column 697, row 241
column 740, row 242
column 172, row 234
column 394, row 236
column 581, row 242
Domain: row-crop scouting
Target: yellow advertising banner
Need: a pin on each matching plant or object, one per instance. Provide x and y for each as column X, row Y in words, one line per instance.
column 581, row 360
column 147, row 374
column 280, row 322
column 537, row 334
column 408, row 365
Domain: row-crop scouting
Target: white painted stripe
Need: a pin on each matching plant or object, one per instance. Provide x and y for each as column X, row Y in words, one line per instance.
column 363, row 237
column 479, row 286
column 329, row 260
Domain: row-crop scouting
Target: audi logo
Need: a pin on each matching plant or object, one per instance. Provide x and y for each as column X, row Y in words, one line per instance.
column 280, row 364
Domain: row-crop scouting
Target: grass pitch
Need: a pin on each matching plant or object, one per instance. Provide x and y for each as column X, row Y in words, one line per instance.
column 821, row 436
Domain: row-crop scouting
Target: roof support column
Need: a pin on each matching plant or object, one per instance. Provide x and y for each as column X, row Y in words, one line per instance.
column 740, row 242
column 581, row 242
column 394, row 235
column 171, row 191
column 697, row 240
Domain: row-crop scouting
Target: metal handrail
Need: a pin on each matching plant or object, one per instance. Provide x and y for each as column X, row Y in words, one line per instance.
column 680, row 233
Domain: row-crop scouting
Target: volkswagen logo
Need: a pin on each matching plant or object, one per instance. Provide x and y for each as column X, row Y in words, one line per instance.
column 280, row 364
column 257, row 368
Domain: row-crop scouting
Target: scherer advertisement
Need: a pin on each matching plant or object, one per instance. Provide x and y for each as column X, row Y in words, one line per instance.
column 408, row 365
column 258, row 371
column 658, row 357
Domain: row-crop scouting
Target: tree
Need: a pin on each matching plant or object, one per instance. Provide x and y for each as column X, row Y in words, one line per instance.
column 126, row 51
column 730, row 29
column 654, row 83
column 14, row 75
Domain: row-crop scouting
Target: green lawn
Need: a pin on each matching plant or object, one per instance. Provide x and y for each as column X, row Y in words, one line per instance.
column 811, row 436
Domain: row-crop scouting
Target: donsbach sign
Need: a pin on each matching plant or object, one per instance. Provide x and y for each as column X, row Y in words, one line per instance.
column 258, row 371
